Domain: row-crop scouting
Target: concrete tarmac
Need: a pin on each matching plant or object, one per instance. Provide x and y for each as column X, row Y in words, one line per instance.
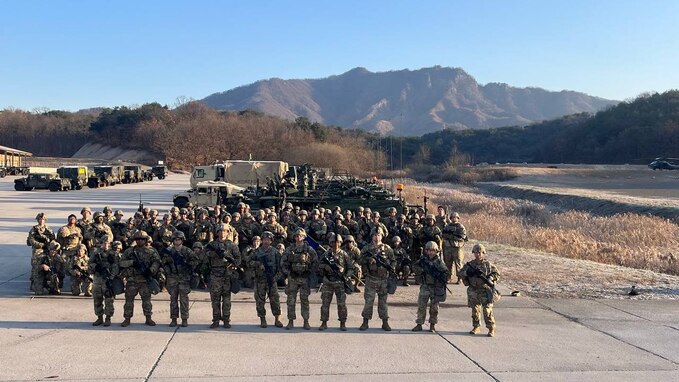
column 51, row 337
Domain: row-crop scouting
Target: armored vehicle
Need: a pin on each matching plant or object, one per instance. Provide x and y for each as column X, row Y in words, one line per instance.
column 159, row 171
column 133, row 174
column 208, row 193
column 42, row 181
column 105, row 176
column 78, row 175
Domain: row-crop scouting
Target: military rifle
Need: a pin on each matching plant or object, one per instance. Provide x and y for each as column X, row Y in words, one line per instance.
column 478, row 273
column 151, row 282
column 429, row 267
column 327, row 258
column 83, row 273
column 268, row 273
column 228, row 259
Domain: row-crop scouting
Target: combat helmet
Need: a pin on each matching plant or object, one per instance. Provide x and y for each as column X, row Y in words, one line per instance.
column 432, row 245
column 141, row 235
column 178, row 235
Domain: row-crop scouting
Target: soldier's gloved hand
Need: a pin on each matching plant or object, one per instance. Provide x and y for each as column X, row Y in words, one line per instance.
column 372, row 261
column 45, row 268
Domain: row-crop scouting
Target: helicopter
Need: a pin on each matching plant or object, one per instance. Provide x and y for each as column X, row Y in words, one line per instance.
column 662, row 163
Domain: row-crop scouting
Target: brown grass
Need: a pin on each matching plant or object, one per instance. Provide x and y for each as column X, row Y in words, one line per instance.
column 461, row 174
column 629, row 240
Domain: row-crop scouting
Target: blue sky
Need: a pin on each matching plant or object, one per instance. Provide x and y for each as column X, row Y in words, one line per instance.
column 70, row 55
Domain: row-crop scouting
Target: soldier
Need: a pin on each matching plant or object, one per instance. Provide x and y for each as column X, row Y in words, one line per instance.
column 431, row 232
column 378, row 262
column 402, row 260
column 69, row 236
column 128, row 233
column 84, row 224
column 339, row 228
column 316, row 228
column 302, row 219
column 278, row 231
column 99, row 228
column 403, row 231
column 432, row 274
column 81, row 281
column 49, row 274
column 351, row 223
column 290, row 227
column 265, row 264
column 248, row 275
column 336, row 268
column 163, row 235
column 118, row 226
column 174, row 213
column 373, row 225
column 456, row 235
column 39, row 238
column 204, row 227
column 416, row 230
column 247, row 229
column 140, row 264
column 354, row 253
column 103, row 265
column 441, row 217
column 179, row 263
column 185, row 225
column 203, row 268
column 298, row 263
column 224, row 259
column 477, row 275
column 232, row 233
column 151, row 225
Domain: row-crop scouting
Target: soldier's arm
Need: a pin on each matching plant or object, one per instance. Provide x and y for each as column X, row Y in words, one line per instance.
column 155, row 261
column 349, row 265
column 494, row 274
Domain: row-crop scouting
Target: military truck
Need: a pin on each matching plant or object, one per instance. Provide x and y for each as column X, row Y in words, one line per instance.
column 207, row 193
column 78, row 175
column 133, row 174
column 240, row 172
column 103, row 176
column 148, row 175
column 42, row 181
column 159, row 171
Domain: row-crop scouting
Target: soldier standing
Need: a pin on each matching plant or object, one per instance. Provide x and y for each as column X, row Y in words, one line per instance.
column 375, row 258
column 441, row 217
column 139, row 264
column 84, row 225
column 224, row 258
column 433, row 275
column 402, row 260
column 99, row 228
column 354, row 253
column 316, row 227
column 118, row 226
column 298, row 263
column 179, row 263
column 81, row 281
column 185, row 225
column 50, row 272
column 336, row 268
column 204, row 227
column 431, row 232
column 39, row 238
column 69, row 236
column 477, row 275
column 104, row 266
column 265, row 264
column 456, row 235
column 163, row 235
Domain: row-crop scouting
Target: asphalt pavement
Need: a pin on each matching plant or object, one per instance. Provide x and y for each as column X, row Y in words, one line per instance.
column 51, row 337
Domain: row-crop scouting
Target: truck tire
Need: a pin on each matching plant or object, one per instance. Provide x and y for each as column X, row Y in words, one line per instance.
column 19, row 186
column 54, row 187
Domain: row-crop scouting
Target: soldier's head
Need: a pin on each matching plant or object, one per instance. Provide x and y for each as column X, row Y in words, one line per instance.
column 479, row 251
column 146, row 211
column 377, row 235
column 367, row 213
column 178, row 238
column 241, row 208
column 431, row 249
column 236, row 216
column 130, row 223
column 455, row 217
column 315, row 213
column 222, row 232
column 54, row 247
column 285, row 217
column 376, row 216
column 117, row 246
column 414, row 219
column 105, row 242
column 271, row 217
column 350, row 241
column 441, row 210
column 267, row 238
column 338, row 219
column 280, row 248
column 348, row 214
column 421, row 211
column 247, row 217
column 288, row 206
column 81, row 250
column 119, row 214
column 297, row 209
column 174, row 212
column 154, row 214
column 72, row 219
column 108, row 211
column 392, row 211
column 197, row 246
column 167, row 219
column 431, row 220
column 299, row 235
column 141, row 238
column 335, row 241
column 86, row 213
column 98, row 217
column 256, row 241
column 138, row 217
column 303, row 215
column 401, row 219
column 202, row 214
column 183, row 213
column 261, row 215
column 396, row 241
column 226, row 219
column 41, row 218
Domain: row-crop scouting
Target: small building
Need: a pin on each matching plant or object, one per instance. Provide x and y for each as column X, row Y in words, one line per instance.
column 10, row 157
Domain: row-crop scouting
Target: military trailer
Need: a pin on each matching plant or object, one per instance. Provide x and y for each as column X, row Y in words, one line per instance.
column 103, row 176
column 78, row 175
column 159, row 171
column 42, row 181
column 133, row 174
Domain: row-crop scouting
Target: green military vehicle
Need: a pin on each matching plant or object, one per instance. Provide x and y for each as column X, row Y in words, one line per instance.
column 208, row 193
column 133, row 174
column 159, row 171
column 3, row 172
column 78, row 175
column 42, row 181
column 103, row 176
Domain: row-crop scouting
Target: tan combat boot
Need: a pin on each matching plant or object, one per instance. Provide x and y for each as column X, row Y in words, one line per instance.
column 263, row 323
column 385, row 325
column 324, row 325
column 432, row 327
column 150, row 322
column 291, row 324
column 98, row 322
column 475, row 330
column 364, row 325
column 278, row 322
column 126, row 322
column 491, row 331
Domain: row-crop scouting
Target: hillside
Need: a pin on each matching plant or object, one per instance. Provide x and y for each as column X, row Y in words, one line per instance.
column 405, row 102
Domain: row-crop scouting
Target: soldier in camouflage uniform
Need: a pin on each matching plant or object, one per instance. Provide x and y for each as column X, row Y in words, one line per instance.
column 179, row 263
column 297, row 264
column 316, row 227
column 204, row 227
column 351, row 224
column 50, row 272
column 118, row 226
column 376, row 278
column 99, row 228
column 402, row 260
column 103, row 265
column 247, row 229
column 174, row 214
column 224, row 259
column 163, row 235
column 302, row 220
column 431, row 232
column 185, row 225
column 416, row 229
column 480, row 295
column 278, row 231
column 84, row 225
column 69, row 236
column 265, row 265
column 203, row 268
column 432, row 274
column 339, row 228
column 456, row 235
column 128, row 233
column 151, row 225
column 140, row 264
column 38, row 239
column 248, row 275
column 81, row 281
column 354, row 253
column 333, row 282
column 290, row 226
column 108, row 215
column 441, row 217
column 373, row 225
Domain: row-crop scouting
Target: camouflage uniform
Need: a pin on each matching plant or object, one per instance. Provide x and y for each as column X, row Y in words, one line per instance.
column 104, row 264
column 265, row 285
column 204, row 231
column 456, row 235
column 402, row 263
column 187, row 227
column 96, row 231
column 298, row 263
column 69, row 237
column 333, row 285
column 376, row 279
column 246, row 231
column 431, row 289
column 179, row 264
column 137, row 282
column 81, row 281
column 163, row 236
column 38, row 239
column 45, row 282
column 479, row 294
column 278, row 231
column 222, row 273
column 317, row 229
column 354, row 254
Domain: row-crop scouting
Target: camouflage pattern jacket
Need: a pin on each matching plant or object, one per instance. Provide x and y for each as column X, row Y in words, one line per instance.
column 69, row 237
column 104, row 264
column 299, row 261
column 262, row 258
column 344, row 264
column 179, row 262
column 369, row 264
column 223, row 257
column 39, row 236
column 427, row 278
column 456, row 234
column 139, row 263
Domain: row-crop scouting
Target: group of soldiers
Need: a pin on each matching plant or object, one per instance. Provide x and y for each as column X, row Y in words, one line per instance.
column 329, row 249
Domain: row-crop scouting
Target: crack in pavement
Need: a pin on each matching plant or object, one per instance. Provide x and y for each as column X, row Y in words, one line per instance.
column 577, row 321
column 155, row 364
column 13, row 278
column 467, row 356
column 636, row 315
